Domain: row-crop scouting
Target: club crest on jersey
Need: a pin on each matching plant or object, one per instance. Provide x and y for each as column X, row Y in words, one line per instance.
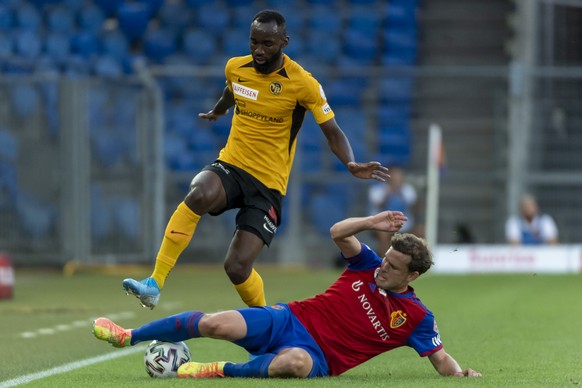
column 276, row 88
column 397, row 319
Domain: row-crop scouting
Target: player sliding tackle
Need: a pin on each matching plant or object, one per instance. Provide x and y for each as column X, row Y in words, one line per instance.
column 370, row 309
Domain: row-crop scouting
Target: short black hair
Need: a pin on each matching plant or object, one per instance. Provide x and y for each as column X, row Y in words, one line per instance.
column 269, row 15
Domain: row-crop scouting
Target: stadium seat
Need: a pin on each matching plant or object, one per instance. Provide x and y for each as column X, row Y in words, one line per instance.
column 115, row 45
column 159, row 44
column 154, row 6
column 175, row 17
column 326, row 19
column 235, row 42
column 85, row 44
column 57, row 46
column 212, row 18
column 76, row 66
column 401, row 13
column 239, row 3
column 133, row 19
column 394, row 114
column 5, row 46
column 361, row 19
column 109, row 7
column 200, row 46
column 126, row 214
column 27, row 44
column 8, row 146
column 91, row 18
column 24, row 99
column 6, row 18
column 324, row 210
column 101, row 215
column 397, row 89
column 36, row 217
column 28, row 18
column 360, row 47
column 324, row 47
column 241, row 18
column 109, row 67
column 60, row 19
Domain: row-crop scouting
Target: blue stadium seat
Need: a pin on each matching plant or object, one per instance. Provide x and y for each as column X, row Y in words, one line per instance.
column 401, row 13
column 28, row 18
column 76, row 66
column 239, row 3
column 394, row 114
column 322, row 18
column 85, row 44
column 202, row 140
column 57, row 46
column 5, row 46
column 361, row 47
column 27, row 44
column 342, row 93
column 361, row 19
column 6, row 18
column 108, row 67
column 213, row 18
column 126, row 213
column 24, row 99
column 199, row 45
column 133, row 19
column 154, row 6
column 8, row 185
column 73, row 5
column 91, row 18
column 324, row 48
column 296, row 46
column 394, row 145
column 109, row 7
column 115, row 45
column 8, row 146
column 324, row 210
column 159, row 44
column 396, row 89
column 101, row 215
column 175, row 17
column 60, row 19
column 235, row 42
column 37, row 218
column 241, row 18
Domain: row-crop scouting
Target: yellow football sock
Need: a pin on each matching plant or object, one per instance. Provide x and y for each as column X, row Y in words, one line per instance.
column 251, row 290
column 179, row 232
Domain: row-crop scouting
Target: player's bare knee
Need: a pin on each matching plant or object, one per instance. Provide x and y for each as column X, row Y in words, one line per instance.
column 294, row 362
column 237, row 270
column 211, row 326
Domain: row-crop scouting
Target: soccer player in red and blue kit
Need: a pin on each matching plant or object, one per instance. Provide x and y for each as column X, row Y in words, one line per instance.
column 369, row 310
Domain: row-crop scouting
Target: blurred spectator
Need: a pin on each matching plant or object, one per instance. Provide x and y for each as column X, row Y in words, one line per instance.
column 531, row 227
column 394, row 194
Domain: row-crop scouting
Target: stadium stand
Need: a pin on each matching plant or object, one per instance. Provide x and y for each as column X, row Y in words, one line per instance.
column 100, row 37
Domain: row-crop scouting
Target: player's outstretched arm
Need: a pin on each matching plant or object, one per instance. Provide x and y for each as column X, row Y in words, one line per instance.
column 340, row 146
column 221, row 107
column 343, row 232
column 446, row 365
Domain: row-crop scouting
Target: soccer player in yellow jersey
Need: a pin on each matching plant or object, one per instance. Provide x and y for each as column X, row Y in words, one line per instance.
column 271, row 94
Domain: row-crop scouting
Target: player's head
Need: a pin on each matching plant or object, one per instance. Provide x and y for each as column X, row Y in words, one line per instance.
column 407, row 258
column 268, row 37
column 529, row 207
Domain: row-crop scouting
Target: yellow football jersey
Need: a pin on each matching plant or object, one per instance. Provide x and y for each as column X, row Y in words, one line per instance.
column 268, row 113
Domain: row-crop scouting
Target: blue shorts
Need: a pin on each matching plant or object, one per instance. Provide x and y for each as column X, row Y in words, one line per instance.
column 271, row 329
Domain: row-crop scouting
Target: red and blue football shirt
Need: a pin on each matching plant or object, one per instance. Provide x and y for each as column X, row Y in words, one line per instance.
column 354, row 320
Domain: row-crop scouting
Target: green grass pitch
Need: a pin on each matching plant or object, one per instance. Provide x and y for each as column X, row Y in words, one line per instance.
column 518, row 330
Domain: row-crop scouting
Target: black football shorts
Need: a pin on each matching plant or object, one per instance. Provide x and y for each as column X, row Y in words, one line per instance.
column 260, row 207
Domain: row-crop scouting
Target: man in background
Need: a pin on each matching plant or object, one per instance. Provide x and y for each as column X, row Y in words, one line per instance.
column 530, row 227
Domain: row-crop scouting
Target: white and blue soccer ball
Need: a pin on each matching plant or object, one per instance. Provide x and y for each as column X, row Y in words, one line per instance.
column 162, row 359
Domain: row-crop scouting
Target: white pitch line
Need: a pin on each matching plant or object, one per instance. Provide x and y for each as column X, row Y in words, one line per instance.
column 69, row 367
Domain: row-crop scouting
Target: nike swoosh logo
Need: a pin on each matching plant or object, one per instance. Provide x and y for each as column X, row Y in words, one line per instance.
column 267, row 228
column 241, row 80
column 176, row 232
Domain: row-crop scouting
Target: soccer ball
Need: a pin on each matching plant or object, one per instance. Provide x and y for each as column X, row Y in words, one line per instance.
column 162, row 359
